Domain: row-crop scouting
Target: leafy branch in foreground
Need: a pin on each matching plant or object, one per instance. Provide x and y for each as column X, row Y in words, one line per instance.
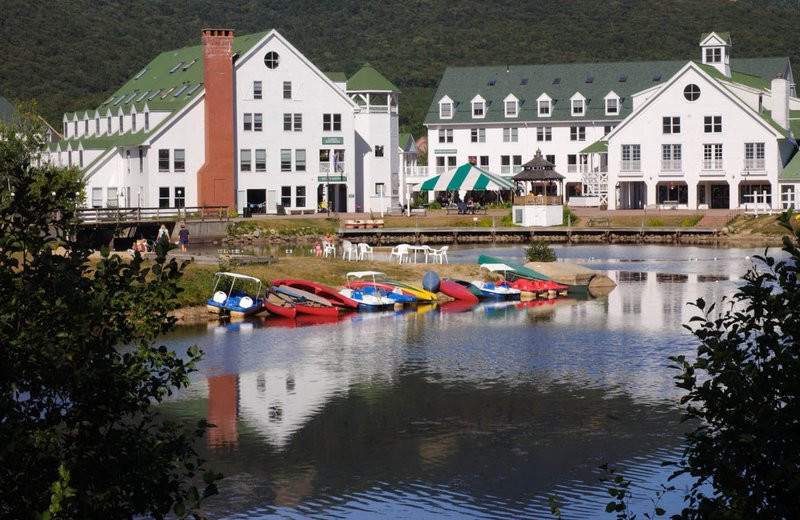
column 743, row 389
column 80, row 374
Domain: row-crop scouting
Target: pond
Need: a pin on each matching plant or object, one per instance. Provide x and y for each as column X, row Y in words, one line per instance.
column 452, row 413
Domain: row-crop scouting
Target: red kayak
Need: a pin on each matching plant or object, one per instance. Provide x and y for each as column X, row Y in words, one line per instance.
column 454, row 290
column 330, row 294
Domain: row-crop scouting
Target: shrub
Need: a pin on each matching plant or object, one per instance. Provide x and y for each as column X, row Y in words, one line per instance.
column 507, row 220
column 570, row 217
column 655, row 222
column 540, row 251
column 690, row 221
column 435, row 205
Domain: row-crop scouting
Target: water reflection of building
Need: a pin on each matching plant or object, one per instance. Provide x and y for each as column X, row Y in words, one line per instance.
column 222, row 411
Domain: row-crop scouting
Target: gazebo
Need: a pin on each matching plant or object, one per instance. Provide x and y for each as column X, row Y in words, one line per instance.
column 539, row 209
column 540, row 173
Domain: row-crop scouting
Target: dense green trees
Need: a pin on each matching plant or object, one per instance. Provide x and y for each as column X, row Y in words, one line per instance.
column 71, row 54
column 79, row 373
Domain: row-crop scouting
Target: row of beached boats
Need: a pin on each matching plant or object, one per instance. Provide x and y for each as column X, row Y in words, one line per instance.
column 241, row 295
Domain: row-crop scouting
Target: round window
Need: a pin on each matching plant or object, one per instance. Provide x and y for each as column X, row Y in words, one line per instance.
column 271, row 60
column 691, row 92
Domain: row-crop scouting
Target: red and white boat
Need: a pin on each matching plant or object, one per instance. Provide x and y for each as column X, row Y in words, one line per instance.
column 329, row 293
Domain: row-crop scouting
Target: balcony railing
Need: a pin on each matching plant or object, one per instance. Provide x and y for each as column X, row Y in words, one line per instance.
column 442, row 169
column 712, row 164
column 537, row 200
column 671, row 165
column 416, row 171
column 631, row 166
column 754, row 164
column 325, row 167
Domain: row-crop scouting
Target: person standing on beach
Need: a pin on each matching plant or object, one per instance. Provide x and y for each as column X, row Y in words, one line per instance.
column 183, row 238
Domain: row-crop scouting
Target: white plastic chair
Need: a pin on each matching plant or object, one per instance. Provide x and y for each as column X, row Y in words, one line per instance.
column 440, row 255
column 328, row 249
column 364, row 250
column 401, row 252
column 349, row 251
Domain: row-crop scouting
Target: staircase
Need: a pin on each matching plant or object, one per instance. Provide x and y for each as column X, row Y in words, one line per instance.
column 714, row 220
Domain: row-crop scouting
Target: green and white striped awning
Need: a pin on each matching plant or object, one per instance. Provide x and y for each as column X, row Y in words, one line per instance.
column 467, row 177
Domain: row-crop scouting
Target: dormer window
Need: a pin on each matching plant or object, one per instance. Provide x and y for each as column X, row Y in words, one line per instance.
column 544, row 106
column 578, row 104
column 511, row 106
column 713, row 55
column 478, row 107
column 446, row 108
column 612, row 104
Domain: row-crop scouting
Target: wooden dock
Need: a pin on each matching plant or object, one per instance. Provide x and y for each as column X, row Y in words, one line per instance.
column 467, row 235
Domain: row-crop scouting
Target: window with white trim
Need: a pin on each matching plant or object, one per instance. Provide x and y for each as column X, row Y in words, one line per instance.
column 713, row 55
column 577, row 133
column 258, row 124
column 445, row 135
column 544, row 133
column 578, row 106
column 163, row 160
column 286, row 160
column 163, row 197
column 511, row 135
column 483, row 162
column 671, row 157
column 477, row 135
column 712, row 124
column 754, row 156
column 445, row 110
column 245, row 160
column 261, row 160
column 247, row 122
column 512, row 108
column 287, row 90
column 180, row 197
column 478, row 108
column 286, row 196
column 544, row 106
column 712, row 156
column 300, row 196
column 179, row 160
column 300, row 160
column 331, row 122
column 97, row 197
column 257, row 90
column 612, row 106
column 671, row 125
column 631, row 158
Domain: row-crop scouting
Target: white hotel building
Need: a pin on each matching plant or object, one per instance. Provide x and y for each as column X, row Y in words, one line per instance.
column 239, row 122
column 688, row 134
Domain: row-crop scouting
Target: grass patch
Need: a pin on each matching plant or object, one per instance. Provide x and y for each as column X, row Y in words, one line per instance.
column 759, row 225
column 289, row 227
column 690, row 221
column 655, row 222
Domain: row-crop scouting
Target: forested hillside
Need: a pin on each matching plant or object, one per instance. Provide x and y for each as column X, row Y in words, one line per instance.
column 70, row 54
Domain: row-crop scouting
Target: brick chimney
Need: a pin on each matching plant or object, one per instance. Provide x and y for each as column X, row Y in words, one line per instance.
column 215, row 180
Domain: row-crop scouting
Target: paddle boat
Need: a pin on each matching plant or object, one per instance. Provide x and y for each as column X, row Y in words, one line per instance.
column 413, row 293
column 498, row 290
column 520, row 271
column 328, row 293
column 373, row 298
column 229, row 296
column 306, row 302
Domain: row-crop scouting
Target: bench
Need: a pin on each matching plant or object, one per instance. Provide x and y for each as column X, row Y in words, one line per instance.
column 598, row 221
column 363, row 224
column 477, row 210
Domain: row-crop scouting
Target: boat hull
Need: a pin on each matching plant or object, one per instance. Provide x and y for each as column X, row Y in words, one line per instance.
column 319, row 289
column 314, row 310
column 530, row 273
column 279, row 310
column 456, row 291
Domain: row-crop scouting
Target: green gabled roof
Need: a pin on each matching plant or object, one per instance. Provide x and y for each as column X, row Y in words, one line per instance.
column 791, row 172
column 336, row 77
column 726, row 36
column 596, row 147
column 766, row 115
column 528, row 82
column 369, row 79
column 403, row 141
column 7, row 111
column 794, row 123
column 748, row 80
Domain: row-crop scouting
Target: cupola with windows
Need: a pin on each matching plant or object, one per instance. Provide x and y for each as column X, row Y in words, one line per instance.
column 716, row 51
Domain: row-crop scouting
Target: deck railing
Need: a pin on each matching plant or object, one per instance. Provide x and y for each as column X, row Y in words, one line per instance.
column 538, row 200
column 128, row 215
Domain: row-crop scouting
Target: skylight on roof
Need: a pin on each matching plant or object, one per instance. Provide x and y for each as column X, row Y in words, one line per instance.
column 155, row 94
column 109, row 100
column 117, row 102
column 176, row 67
column 186, row 67
column 556, row 81
column 623, row 78
column 144, row 95
column 523, row 81
column 179, row 92
column 657, row 77
column 491, row 82
column 167, row 93
column 130, row 97
column 194, row 89
column 140, row 74
column 589, row 79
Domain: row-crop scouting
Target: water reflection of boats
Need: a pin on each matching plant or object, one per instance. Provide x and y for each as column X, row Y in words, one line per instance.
column 457, row 306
